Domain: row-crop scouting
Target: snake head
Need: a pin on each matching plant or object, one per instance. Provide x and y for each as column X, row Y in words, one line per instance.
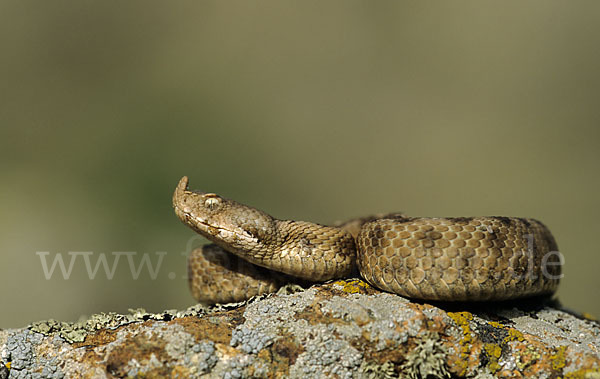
column 233, row 226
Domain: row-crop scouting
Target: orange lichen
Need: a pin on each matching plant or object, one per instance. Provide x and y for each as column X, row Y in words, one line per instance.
column 493, row 352
column 584, row 374
column 558, row 358
column 462, row 320
column 352, row 286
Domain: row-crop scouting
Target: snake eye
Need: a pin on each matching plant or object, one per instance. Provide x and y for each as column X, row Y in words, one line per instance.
column 212, row 203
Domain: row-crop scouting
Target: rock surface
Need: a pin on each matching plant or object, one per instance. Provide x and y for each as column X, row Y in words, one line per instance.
column 344, row 329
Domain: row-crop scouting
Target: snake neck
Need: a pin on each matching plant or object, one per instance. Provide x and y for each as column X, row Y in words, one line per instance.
column 311, row 251
column 302, row 249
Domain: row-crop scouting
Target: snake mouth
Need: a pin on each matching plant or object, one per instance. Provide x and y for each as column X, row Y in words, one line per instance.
column 218, row 234
column 200, row 225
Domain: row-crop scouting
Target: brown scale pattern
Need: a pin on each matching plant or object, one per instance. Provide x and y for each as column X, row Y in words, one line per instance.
column 305, row 251
column 215, row 276
column 480, row 258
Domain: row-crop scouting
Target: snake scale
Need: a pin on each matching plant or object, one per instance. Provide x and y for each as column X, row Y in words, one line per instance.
column 448, row 259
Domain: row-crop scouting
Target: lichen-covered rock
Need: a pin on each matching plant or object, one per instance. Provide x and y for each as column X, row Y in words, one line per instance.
column 344, row 329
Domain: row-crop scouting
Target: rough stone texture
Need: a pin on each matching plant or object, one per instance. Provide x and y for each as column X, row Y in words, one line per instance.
column 344, row 329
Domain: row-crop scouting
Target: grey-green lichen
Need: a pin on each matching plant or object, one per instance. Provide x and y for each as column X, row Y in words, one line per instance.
column 22, row 361
column 77, row 331
column 374, row 370
column 427, row 359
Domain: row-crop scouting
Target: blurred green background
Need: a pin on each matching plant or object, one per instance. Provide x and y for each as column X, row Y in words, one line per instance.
column 309, row 110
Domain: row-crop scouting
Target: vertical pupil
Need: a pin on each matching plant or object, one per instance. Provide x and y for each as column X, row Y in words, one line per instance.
column 211, row 203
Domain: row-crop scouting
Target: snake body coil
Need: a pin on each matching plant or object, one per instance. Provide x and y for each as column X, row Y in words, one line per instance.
column 450, row 259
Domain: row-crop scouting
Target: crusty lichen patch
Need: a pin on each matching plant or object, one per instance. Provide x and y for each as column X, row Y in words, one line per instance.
column 77, row 331
column 504, row 350
column 558, row 358
column 514, row 335
column 584, row 374
column 353, row 285
column 427, row 359
column 374, row 370
column 493, row 353
column 462, row 320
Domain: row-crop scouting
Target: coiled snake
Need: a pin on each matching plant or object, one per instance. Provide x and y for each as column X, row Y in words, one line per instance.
column 449, row 259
